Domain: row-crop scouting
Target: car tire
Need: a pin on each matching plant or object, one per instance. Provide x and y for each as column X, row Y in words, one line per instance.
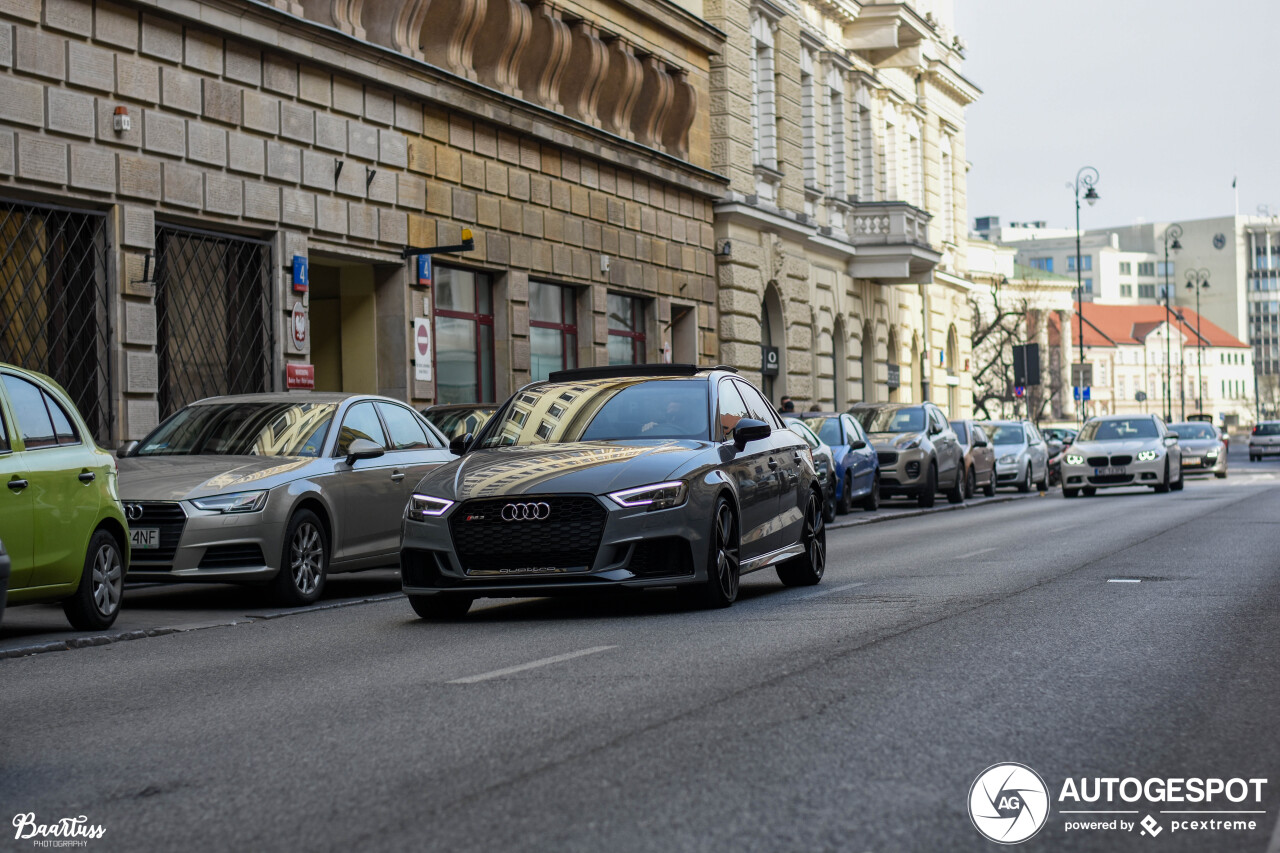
column 846, row 499
column 1163, row 487
column 990, row 488
column 1043, row 483
column 808, row 568
column 829, row 508
column 970, row 484
column 1088, row 491
column 1177, row 484
column 929, row 491
column 96, row 602
column 1024, row 485
column 955, row 494
column 723, row 561
column 1070, row 493
column 304, row 561
column 441, row 607
column 1221, row 475
column 871, row 502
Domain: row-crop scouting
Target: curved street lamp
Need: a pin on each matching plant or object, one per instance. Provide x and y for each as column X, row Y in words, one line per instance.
column 1171, row 235
column 1198, row 280
column 1087, row 178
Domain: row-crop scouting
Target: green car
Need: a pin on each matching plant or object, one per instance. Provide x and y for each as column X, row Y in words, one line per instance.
column 61, row 519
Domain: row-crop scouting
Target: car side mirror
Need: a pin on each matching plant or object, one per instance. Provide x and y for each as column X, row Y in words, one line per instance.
column 1170, row 440
column 460, row 444
column 749, row 430
column 126, row 449
column 857, row 444
column 981, row 442
column 363, row 448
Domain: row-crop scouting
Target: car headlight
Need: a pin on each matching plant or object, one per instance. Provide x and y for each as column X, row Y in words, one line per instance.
column 232, row 503
column 1147, row 455
column 1075, row 459
column 908, row 443
column 422, row 507
column 1212, row 453
column 656, row 496
column 1008, row 460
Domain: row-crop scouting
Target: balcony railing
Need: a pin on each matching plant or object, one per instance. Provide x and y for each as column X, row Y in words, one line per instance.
column 888, row 223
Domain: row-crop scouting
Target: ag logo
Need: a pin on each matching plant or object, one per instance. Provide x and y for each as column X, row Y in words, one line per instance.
column 1008, row 803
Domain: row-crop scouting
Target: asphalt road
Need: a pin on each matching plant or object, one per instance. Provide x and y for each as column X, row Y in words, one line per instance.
column 852, row 716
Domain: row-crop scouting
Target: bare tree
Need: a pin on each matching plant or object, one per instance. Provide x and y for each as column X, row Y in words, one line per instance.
column 998, row 325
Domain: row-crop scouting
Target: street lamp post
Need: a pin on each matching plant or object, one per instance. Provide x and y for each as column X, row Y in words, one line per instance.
column 1198, row 280
column 1087, row 177
column 1171, row 235
column 1182, row 370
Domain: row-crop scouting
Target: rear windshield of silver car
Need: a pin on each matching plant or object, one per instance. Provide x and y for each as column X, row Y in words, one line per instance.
column 891, row 420
column 1267, row 429
column 242, row 429
column 603, row 410
column 1008, row 434
column 1119, row 430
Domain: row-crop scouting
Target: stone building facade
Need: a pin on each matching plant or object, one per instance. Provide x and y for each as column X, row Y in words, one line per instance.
column 169, row 172
column 841, row 241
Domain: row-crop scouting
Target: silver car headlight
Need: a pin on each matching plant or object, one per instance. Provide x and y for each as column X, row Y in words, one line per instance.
column 1147, row 455
column 1075, row 459
column 1212, row 453
column 1009, row 460
column 910, row 444
column 422, row 507
column 655, row 496
column 236, row 502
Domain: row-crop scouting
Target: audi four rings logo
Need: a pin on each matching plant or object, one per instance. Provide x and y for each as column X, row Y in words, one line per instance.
column 526, row 512
column 133, row 512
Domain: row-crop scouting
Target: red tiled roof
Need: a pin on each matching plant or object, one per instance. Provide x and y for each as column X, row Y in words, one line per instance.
column 1114, row 325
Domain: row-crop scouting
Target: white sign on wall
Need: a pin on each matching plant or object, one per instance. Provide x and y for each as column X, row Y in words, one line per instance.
column 421, row 349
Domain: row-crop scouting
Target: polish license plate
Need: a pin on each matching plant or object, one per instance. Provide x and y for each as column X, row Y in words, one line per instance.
column 1191, row 460
column 1113, row 471
column 145, row 538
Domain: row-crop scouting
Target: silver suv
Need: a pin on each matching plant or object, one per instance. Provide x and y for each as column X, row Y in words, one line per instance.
column 919, row 452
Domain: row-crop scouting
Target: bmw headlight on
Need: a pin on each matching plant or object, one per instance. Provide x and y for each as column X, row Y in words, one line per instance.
column 656, row 496
column 236, row 502
column 422, row 507
column 1075, row 459
column 1147, row 455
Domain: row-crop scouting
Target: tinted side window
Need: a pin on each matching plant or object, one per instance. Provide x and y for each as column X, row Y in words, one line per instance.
column 979, row 434
column 757, row 407
column 732, row 409
column 852, row 430
column 961, row 432
column 406, row 432
column 62, row 427
column 4, row 435
column 361, row 422
column 29, row 410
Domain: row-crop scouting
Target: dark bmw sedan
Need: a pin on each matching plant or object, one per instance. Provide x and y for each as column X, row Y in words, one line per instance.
column 636, row 476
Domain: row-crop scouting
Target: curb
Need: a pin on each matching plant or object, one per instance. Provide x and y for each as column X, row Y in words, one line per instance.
column 916, row 513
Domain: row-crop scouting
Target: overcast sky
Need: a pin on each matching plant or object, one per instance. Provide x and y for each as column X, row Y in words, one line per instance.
column 1168, row 99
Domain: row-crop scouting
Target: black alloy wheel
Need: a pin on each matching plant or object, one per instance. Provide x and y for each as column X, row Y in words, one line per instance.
column 724, row 565
column 808, row 568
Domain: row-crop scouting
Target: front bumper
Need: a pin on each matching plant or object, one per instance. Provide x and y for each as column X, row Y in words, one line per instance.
column 902, row 472
column 1146, row 473
column 1201, row 464
column 637, row 548
column 198, row 546
column 1011, row 472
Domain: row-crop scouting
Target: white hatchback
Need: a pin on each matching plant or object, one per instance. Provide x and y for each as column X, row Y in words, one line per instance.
column 1265, row 440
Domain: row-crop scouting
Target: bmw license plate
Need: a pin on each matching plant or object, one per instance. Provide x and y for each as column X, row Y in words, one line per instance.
column 1113, row 471
column 145, row 538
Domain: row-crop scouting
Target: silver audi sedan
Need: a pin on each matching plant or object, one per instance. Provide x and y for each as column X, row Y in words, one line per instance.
column 278, row 488
column 1115, row 451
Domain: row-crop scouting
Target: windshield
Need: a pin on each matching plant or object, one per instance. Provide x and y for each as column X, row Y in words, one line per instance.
column 1119, row 430
column 828, row 429
column 1267, row 429
column 242, row 429
column 603, row 410
column 1193, row 431
column 891, row 420
column 456, row 422
column 1008, row 434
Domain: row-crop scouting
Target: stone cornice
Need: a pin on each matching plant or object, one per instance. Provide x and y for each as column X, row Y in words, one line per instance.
column 964, row 90
column 260, row 24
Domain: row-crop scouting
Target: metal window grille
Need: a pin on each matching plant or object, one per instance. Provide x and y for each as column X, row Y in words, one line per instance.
column 54, row 296
column 213, row 315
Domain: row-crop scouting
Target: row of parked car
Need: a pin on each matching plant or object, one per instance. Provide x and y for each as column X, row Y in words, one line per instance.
column 556, row 488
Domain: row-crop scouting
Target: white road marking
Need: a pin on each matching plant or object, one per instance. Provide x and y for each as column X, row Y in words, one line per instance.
column 1123, row 580
column 498, row 673
column 830, row 590
column 975, row 553
column 1094, row 811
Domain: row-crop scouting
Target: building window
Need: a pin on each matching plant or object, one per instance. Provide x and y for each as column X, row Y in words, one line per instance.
column 1043, row 264
column 890, row 190
column 836, row 168
column 464, row 336
column 1164, row 268
column 916, row 166
column 1126, row 268
column 948, row 193
column 809, row 119
column 763, row 90
column 1146, row 291
column 866, row 156
column 1086, row 263
column 1146, row 268
column 1088, row 285
column 553, row 329
column 626, row 329
column 1126, row 290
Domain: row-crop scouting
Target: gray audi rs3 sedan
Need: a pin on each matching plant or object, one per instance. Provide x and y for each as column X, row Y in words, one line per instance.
column 630, row 476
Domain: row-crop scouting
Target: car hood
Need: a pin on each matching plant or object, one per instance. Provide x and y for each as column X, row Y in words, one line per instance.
column 1198, row 445
column 1007, row 449
column 1133, row 445
column 893, row 440
column 175, row 478
column 593, row 467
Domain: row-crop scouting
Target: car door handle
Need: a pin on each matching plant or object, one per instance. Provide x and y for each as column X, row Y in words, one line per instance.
column 87, row 476
column 18, row 485
column 397, row 476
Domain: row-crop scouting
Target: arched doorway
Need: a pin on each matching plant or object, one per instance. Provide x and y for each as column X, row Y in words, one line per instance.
column 953, row 372
column 893, row 368
column 773, row 334
column 841, row 372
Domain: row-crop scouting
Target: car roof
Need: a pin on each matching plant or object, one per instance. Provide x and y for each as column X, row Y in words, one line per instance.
column 293, row 397
column 886, row 406
column 635, row 371
column 450, row 407
column 1120, row 417
column 814, row 414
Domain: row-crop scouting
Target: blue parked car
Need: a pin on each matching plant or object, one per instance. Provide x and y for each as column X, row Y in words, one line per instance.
column 857, row 466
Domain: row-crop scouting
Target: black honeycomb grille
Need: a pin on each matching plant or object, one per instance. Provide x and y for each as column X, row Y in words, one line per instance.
column 1121, row 460
column 569, row 537
column 665, row 557
column 1097, row 461
column 168, row 518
